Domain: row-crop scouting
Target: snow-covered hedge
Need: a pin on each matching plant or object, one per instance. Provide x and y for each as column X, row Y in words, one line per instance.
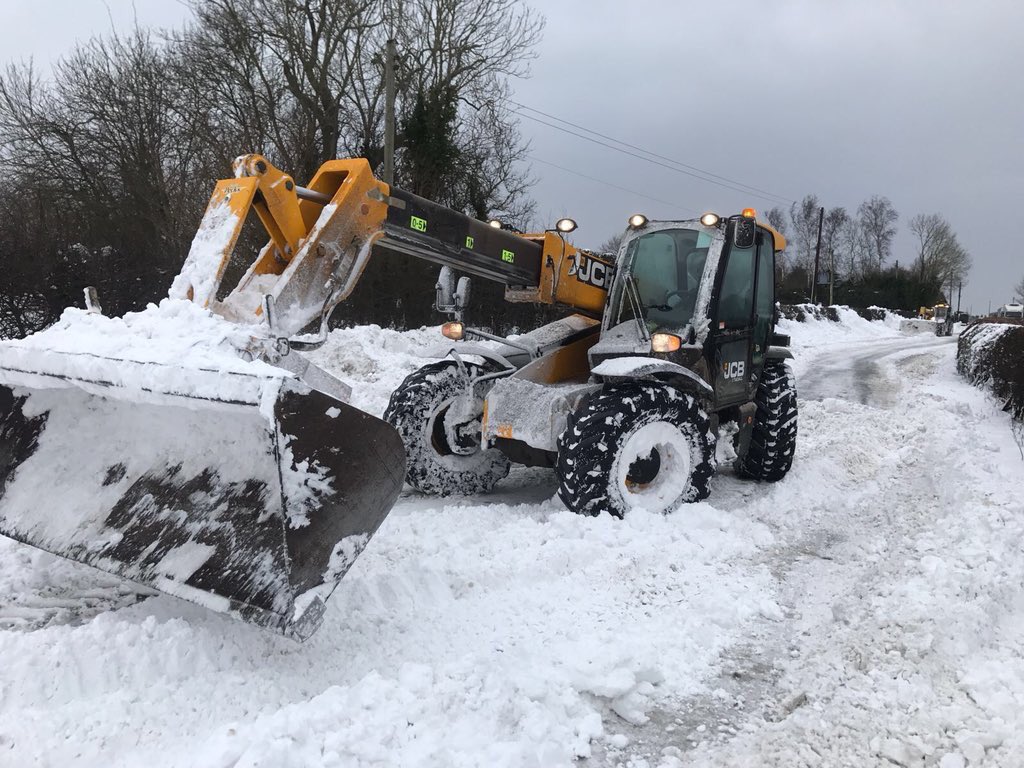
column 800, row 312
column 990, row 354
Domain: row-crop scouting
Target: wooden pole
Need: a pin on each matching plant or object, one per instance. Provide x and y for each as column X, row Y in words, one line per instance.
column 389, row 113
column 817, row 255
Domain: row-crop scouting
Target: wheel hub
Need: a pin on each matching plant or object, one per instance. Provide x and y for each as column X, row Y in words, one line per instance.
column 653, row 467
column 644, row 470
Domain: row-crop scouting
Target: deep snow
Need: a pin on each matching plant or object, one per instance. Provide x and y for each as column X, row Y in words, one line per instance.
column 864, row 611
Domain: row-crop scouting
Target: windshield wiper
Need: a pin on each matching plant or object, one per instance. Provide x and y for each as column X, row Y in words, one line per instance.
column 633, row 293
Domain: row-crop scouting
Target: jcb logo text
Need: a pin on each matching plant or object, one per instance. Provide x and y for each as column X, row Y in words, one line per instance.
column 589, row 271
column 734, row 370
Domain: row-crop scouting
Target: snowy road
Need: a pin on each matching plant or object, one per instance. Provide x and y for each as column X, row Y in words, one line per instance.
column 865, row 611
column 859, row 372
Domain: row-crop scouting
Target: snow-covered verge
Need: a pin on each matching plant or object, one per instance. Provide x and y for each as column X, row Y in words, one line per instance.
column 991, row 354
column 837, row 313
column 816, row 329
column 855, row 611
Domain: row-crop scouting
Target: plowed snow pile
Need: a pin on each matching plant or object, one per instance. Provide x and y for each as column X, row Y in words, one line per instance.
column 864, row 608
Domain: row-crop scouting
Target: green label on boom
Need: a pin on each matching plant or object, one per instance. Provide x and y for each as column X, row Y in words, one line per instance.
column 508, row 256
column 469, row 241
column 420, row 225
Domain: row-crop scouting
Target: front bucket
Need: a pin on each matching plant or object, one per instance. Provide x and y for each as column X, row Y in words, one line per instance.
column 253, row 510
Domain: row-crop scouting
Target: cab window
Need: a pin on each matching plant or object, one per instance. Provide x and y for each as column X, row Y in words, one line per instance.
column 736, row 300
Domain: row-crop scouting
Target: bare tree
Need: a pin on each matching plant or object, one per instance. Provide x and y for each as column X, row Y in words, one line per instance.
column 277, row 73
column 611, row 245
column 804, row 217
column 456, row 58
column 1019, row 290
column 878, row 221
column 108, row 164
column 832, row 226
column 104, row 153
column 940, row 258
column 777, row 218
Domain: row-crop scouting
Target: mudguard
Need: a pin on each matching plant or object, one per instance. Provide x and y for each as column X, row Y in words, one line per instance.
column 647, row 367
column 778, row 353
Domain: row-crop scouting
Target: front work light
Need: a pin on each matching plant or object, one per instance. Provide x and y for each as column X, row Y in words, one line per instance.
column 637, row 220
column 565, row 225
column 454, row 331
column 665, row 342
column 495, row 223
column 709, row 219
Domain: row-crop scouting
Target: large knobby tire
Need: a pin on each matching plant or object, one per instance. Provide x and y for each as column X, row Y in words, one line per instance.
column 773, row 441
column 635, row 445
column 417, row 410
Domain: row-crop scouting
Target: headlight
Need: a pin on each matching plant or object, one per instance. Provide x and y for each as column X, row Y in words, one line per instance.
column 565, row 225
column 454, row 331
column 637, row 220
column 665, row 342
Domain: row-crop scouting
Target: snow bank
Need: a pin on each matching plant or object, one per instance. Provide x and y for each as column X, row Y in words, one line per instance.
column 489, row 635
column 991, row 354
column 499, row 632
column 374, row 360
column 504, row 631
column 175, row 348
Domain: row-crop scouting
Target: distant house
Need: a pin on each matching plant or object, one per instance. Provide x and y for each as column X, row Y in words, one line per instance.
column 1012, row 310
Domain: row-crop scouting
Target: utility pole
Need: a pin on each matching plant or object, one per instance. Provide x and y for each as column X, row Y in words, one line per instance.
column 831, row 276
column 389, row 113
column 959, row 290
column 817, row 254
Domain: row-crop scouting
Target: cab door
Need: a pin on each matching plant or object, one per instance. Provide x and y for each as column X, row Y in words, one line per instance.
column 764, row 304
column 733, row 327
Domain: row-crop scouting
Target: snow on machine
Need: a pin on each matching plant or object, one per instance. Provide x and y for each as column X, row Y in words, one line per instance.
column 192, row 448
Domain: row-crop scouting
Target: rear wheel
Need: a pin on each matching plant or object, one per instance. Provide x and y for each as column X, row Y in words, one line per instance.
column 773, row 441
column 632, row 446
column 440, row 423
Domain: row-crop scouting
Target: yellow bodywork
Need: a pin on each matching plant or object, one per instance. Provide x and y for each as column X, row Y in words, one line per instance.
column 319, row 242
column 321, row 238
column 568, row 276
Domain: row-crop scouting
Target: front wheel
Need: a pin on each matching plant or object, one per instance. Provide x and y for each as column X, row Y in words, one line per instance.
column 635, row 446
column 773, row 440
column 440, row 422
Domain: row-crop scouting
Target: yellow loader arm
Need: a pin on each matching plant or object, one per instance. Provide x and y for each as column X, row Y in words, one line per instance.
column 322, row 236
column 320, row 239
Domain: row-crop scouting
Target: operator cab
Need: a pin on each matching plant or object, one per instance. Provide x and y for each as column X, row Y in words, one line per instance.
column 708, row 286
column 663, row 271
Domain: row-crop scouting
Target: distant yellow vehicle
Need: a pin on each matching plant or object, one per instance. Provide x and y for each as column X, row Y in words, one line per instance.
column 943, row 320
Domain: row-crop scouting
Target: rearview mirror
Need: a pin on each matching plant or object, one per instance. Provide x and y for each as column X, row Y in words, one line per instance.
column 742, row 231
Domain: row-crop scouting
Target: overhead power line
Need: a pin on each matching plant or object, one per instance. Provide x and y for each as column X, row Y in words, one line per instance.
column 674, row 206
column 648, row 156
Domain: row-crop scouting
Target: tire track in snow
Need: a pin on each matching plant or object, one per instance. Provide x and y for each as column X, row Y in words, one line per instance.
column 887, row 580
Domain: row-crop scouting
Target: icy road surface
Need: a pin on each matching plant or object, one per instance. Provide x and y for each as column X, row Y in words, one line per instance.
column 865, row 611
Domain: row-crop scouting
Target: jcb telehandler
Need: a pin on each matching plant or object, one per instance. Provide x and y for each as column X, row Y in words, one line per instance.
column 625, row 399
column 251, row 488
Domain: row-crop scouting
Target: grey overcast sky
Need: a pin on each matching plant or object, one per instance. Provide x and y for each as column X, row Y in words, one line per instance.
column 918, row 100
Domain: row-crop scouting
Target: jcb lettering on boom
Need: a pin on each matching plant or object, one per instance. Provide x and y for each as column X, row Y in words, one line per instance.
column 589, row 271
